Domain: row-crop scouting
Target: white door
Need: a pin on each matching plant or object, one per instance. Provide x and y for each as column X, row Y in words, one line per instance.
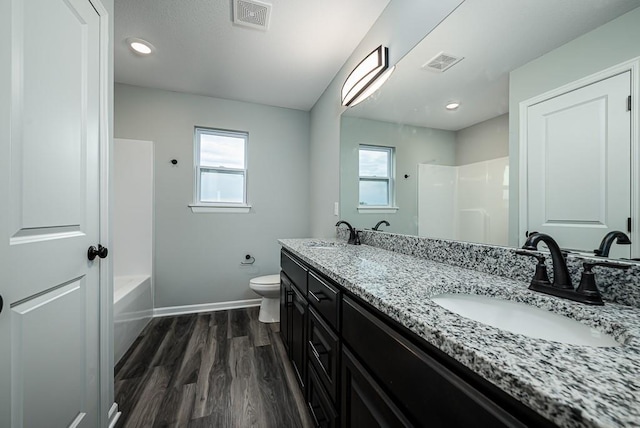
column 49, row 190
column 579, row 165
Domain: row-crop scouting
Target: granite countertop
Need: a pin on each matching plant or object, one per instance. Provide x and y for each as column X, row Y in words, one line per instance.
column 571, row 385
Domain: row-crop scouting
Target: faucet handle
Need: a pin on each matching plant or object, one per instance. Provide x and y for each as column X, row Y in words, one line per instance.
column 589, row 265
column 541, row 276
column 588, row 287
column 357, row 239
column 531, row 253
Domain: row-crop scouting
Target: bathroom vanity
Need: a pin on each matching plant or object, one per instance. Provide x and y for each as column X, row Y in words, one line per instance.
column 370, row 348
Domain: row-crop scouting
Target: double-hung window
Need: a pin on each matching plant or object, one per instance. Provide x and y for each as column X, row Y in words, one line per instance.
column 376, row 177
column 221, row 169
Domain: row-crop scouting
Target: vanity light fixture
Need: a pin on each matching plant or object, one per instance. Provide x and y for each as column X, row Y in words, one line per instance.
column 140, row 46
column 452, row 105
column 367, row 77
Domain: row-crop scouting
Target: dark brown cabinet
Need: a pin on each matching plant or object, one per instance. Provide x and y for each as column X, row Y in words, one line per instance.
column 358, row 368
column 320, row 406
column 423, row 389
column 295, row 270
column 297, row 347
column 323, row 351
column 364, row 403
column 293, row 313
column 325, row 298
column 285, row 310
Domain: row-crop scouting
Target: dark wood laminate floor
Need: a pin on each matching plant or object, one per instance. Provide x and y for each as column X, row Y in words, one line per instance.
column 217, row 369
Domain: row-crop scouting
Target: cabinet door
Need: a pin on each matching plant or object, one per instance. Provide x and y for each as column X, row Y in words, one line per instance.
column 320, row 406
column 425, row 390
column 364, row 404
column 297, row 349
column 285, row 311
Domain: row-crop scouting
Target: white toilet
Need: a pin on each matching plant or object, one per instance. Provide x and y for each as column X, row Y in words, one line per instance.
column 268, row 287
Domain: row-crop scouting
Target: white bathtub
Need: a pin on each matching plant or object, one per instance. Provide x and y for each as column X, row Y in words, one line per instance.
column 132, row 310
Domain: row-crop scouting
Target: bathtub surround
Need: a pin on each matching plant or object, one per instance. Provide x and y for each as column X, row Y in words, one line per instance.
column 132, row 310
column 570, row 385
column 133, row 200
column 466, row 203
column 132, row 248
column 615, row 285
column 198, row 256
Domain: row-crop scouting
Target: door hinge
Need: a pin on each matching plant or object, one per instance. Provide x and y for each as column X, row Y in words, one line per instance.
column 629, row 103
column 629, row 224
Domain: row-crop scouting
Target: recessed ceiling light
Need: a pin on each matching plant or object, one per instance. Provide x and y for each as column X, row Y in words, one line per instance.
column 453, row 105
column 139, row 46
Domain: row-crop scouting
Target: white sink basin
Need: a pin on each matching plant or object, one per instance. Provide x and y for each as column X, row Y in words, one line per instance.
column 523, row 319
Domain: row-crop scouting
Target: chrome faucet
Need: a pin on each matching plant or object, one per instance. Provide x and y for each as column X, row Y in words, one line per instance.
column 605, row 246
column 385, row 222
column 354, row 238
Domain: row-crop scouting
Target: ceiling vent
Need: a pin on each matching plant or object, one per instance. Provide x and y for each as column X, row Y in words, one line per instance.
column 251, row 13
column 442, row 62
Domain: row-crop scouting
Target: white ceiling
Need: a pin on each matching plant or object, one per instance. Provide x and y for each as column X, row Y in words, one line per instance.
column 494, row 37
column 199, row 50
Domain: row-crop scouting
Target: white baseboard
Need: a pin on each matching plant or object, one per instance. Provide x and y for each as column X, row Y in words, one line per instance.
column 205, row 307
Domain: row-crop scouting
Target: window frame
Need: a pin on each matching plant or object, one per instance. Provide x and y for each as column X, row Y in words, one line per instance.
column 389, row 179
column 200, row 206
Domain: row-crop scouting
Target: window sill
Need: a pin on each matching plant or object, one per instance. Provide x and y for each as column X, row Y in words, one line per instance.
column 378, row 210
column 209, row 209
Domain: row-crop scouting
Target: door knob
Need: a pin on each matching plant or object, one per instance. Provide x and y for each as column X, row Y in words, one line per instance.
column 94, row 252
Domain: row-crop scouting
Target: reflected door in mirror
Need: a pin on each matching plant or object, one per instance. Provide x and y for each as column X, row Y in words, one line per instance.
column 578, row 164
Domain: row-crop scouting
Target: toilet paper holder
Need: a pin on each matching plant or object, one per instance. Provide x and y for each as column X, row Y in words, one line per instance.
column 249, row 260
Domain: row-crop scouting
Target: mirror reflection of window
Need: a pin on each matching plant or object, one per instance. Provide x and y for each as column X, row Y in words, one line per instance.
column 375, row 176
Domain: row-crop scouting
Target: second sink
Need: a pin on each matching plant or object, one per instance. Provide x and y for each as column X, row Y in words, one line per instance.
column 524, row 319
column 325, row 245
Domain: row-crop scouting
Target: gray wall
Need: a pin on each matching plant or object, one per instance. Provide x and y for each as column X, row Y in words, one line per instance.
column 400, row 27
column 413, row 145
column 606, row 46
column 483, row 141
column 197, row 256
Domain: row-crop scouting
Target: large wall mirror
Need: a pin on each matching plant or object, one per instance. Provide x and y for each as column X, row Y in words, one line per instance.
column 456, row 173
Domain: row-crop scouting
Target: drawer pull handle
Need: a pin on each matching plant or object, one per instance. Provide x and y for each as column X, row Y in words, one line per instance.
column 322, row 421
column 315, row 351
column 319, row 299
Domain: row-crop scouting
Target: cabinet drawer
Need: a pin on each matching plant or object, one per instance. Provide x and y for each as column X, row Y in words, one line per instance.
column 323, row 352
column 322, row 411
column 425, row 390
column 325, row 298
column 295, row 271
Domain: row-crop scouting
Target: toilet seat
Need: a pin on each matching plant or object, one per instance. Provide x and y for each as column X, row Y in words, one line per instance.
column 266, row 280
